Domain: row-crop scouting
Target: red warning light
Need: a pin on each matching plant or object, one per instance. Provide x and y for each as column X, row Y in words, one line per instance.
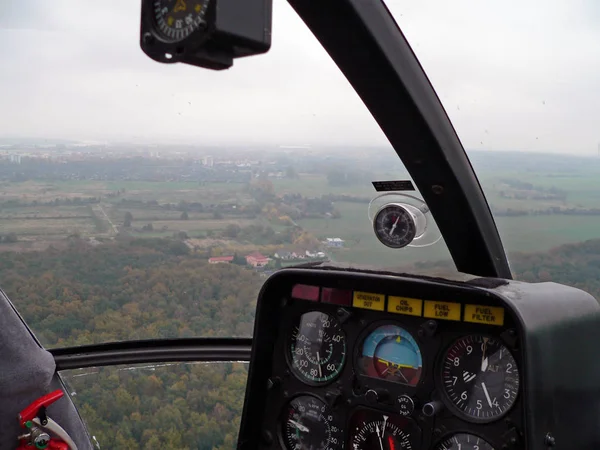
column 306, row 292
column 336, row 296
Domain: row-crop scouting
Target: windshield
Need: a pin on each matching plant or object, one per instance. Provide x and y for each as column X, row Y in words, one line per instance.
column 142, row 200
column 520, row 84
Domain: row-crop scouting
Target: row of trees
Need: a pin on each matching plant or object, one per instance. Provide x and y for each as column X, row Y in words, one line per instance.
column 141, row 289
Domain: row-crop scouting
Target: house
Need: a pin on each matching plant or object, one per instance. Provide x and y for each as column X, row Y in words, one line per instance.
column 334, row 242
column 315, row 254
column 220, row 260
column 256, row 259
column 283, row 254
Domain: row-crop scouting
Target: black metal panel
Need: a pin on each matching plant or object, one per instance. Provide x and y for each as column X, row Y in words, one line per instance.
column 148, row 351
column 553, row 333
column 369, row 48
column 562, row 366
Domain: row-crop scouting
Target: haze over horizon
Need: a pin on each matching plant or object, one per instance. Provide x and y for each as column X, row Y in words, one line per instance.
column 526, row 82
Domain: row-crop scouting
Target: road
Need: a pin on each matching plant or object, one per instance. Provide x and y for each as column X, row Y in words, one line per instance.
column 112, row 225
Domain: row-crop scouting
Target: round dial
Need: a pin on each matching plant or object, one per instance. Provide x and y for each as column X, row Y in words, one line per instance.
column 317, row 348
column 370, row 429
column 394, row 226
column 309, row 424
column 389, row 352
column 177, row 19
column 464, row 441
column 480, row 378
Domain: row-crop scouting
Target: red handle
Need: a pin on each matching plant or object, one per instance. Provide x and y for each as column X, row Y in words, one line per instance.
column 32, row 410
column 52, row 445
column 57, row 445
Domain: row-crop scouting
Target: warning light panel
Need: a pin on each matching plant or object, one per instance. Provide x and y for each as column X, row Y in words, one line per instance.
column 306, row 292
column 489, row 315
column 442, row 310
column 336, row 296
column 405, row 305
column 368, row 300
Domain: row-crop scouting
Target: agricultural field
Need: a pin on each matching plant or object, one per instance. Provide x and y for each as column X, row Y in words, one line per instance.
column 520, row 196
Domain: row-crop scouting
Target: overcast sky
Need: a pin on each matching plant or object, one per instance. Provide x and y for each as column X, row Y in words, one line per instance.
column 512, row 75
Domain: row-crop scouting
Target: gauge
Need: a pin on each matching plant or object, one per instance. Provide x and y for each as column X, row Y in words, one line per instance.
column 177, row 19
column 480, row 378
column 389, row 352
column 394, row 226
column 309, row 424
column 317, row 348
column 370, row 429
column 464, row 441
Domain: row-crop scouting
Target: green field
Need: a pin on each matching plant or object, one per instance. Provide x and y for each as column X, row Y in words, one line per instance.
column 520, row 233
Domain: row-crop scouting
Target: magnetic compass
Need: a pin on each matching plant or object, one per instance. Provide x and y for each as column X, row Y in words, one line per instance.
column 177, row 19
column 394, row 226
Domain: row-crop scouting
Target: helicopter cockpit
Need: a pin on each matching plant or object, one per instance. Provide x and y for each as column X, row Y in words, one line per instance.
column 342, row 355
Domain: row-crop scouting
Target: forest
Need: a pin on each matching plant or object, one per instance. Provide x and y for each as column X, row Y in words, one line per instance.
column 155, row 288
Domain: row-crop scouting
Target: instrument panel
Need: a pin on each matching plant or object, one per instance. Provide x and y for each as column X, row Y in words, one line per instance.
column 389, row 368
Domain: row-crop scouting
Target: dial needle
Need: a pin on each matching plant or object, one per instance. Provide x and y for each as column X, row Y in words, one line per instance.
column 484, row 364
column 487, row 394
column 319, row 365
column 379, row 436
column 300, row 427
column 483, row 358
column 394, row 226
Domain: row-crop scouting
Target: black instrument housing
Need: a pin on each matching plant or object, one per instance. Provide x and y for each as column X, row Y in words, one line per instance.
column 234, row 29
column 558, row 401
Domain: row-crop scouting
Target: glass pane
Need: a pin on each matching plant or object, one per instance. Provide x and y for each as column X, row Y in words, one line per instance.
column 140, row 200
column 167, row 405
column 519, row 80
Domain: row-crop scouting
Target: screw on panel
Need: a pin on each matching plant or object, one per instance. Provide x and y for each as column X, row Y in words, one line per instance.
column 437, row 189
column 549, row 440
column 148, row 39
column 267, row 437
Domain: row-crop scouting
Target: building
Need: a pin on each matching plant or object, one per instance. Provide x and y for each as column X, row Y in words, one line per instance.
column 220, row 260
column 334, row 242
column 256, row 259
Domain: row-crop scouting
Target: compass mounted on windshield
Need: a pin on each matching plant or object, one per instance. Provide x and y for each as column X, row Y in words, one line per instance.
column 402, row 220
column 205, row 33
column 395, row 226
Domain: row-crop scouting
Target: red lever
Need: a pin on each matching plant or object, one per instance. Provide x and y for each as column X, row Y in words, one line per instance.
column 31, row 411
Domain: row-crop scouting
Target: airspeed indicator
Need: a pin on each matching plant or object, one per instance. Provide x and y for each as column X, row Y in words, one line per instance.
column 317, row 348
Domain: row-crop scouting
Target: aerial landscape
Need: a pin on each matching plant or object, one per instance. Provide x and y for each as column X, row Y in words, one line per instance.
column 104, row 242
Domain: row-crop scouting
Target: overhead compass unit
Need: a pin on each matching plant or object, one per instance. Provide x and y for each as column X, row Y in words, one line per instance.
column 205, row 33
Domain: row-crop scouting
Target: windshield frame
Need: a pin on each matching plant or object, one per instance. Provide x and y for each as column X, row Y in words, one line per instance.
column 367, row 45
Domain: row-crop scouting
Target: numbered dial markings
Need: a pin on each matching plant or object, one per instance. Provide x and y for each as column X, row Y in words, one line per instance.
column 394, row 226
column 309, row 424
column 317, row 348
column 370, row 429
column 480, row 378
column 464, row 441
column 177, row 19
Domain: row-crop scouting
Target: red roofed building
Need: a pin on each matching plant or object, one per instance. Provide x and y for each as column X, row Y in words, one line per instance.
column 220, row 259
column 257, row 260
